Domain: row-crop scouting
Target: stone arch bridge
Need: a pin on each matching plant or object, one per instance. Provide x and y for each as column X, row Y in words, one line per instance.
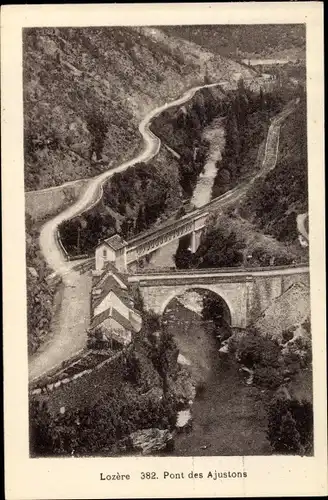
column 246, row 292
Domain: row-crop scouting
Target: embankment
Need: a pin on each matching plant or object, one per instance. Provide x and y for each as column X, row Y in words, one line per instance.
column 48, row 202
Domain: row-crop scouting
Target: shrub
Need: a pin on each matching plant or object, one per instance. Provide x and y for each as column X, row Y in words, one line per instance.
column 132, row 368
column 268, row 376
column 298, row 352
column 254, row 349
column 290, row 426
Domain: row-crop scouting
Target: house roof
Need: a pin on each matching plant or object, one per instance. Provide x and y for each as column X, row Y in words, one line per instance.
column 110, row 269
column 121, row 319
column 113, row 313
column 97, row 320
column 111, row 285
column 115, row 242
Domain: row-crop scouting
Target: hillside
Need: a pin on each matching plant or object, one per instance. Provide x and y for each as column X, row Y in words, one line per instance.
column 274, row 202
column 280, row 41
column 86, row 89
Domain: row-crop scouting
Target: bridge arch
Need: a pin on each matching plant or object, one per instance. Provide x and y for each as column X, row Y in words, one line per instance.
column 228, row 309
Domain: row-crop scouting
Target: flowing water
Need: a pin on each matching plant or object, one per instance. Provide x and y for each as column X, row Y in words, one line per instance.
column 203, row 190
column 215, row 135
column 228, row 416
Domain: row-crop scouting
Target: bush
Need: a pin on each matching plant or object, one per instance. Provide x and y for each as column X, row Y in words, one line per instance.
column 268, row 376
column 290, row 427
column 132, row 368
column 298, row 353
column 254, row 350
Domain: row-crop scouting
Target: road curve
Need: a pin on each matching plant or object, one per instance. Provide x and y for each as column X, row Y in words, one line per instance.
column 49, row 245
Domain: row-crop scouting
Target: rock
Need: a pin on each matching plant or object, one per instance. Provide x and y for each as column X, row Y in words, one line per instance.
column 184, row 420
column 151, row 440
column 33, row 272
column 155, row 394
column 225, row 348
column 53, row 279
column 249, row 381
column 183, row 361
column 182, row 386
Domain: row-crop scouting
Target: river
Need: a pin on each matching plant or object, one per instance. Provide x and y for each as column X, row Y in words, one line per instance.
column 215, row 135
column 228, row 416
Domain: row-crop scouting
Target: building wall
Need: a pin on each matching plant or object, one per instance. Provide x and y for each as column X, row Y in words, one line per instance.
column 101, row 258
column 117, row 331
column 136, row 321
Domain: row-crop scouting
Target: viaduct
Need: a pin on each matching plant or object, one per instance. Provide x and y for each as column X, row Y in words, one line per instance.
column 245, row 293
column 194, row 222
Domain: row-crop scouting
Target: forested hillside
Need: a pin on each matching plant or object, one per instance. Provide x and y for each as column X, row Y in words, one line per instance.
column 246, row 126
column 274, row 40
column 262, row 230
column 274, row 202
column 85, row 91
column 40, row 292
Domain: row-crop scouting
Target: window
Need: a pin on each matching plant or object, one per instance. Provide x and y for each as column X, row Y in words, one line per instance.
column 104, row 253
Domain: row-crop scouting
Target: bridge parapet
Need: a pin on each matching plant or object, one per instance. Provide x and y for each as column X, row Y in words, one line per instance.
column 246, row 292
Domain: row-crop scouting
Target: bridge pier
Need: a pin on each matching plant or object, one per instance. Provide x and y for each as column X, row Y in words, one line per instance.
column 195, row 240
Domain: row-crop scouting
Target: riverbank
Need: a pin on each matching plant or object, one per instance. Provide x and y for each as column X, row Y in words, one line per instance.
column 214, row 135
column 229, row 417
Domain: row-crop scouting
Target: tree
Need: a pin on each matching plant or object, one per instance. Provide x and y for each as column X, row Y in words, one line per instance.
column 261, row 100
column 219, row 248
column 289, row 437
column 141, row 223
column 97, row 126
column 40, row 423
column 232, row 145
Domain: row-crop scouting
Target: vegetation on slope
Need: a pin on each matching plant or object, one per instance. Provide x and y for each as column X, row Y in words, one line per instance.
column 146, row 193
column 40, row 292
column 142, row 392
column 86, row 89
column 230, row 241
column 275, row 366
column 269, row 40
column 246, row 126
column 273, row 203
column 262, row 230
column 139, row 196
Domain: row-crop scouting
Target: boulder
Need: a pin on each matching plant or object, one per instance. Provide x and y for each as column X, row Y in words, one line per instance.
column 183, row 361
column 151, row 440
column 33, row 272
column 182, row 386
column 184, row 420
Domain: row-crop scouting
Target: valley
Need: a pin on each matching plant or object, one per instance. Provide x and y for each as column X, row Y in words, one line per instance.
column 215, row 139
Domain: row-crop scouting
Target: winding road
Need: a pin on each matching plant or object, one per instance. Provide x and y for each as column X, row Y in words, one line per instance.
column 69, row 329
column 48, row 236
column 70, row 323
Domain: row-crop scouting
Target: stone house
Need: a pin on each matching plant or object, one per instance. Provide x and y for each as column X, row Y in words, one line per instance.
column 113, row 250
